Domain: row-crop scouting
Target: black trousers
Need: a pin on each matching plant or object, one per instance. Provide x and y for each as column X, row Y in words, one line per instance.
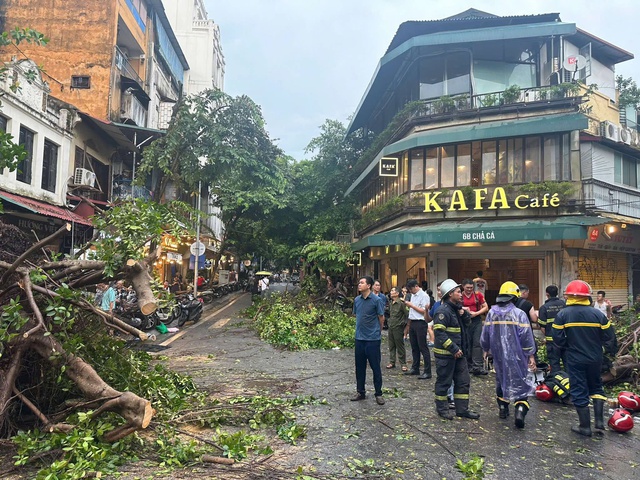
column 475, row 360
column 554, row 356
column 418, row 339
column 452, row 370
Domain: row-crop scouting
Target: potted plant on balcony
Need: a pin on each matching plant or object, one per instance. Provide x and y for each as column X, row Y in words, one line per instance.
column 511, row 94
column 445, row 104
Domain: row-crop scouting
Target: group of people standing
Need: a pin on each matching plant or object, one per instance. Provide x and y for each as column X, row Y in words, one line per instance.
column 576, row 335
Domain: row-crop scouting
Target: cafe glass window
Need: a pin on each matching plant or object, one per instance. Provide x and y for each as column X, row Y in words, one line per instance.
column 463, row 165
column 432, row 168
column 488, row 163
column 417, row 169
column 532, row 162
column 447, row 166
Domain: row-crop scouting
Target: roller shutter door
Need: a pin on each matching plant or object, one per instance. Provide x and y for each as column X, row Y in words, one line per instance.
column 608, row 271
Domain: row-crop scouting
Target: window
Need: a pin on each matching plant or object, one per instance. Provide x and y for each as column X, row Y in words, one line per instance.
column 532, row 164
column 447, row 74
column 463, row 165
column 432, row 168
column 417, row 169
column 489, row 154
column 81, row 81
column 24, row 167
column 49, row 166
column 625, row 170
column 447, row 166
column 3, row 124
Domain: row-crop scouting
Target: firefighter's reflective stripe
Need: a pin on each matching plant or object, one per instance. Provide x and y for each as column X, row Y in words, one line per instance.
column 461, row 396
column 442, row 351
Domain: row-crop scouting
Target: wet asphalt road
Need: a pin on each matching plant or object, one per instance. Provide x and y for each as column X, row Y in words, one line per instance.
column 404, row 438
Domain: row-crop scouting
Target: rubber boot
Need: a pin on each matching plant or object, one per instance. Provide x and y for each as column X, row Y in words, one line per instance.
column 504, row 408
column 462, row 409
column 598, row 413
column 521, row 412
column 442, row 407
column 585, row 422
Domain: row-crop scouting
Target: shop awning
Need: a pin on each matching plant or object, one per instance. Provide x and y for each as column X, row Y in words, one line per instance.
column 42, row 208
column 562, row 228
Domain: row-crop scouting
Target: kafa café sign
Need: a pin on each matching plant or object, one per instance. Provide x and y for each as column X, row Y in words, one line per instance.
column 388, row 167
column 498, row 200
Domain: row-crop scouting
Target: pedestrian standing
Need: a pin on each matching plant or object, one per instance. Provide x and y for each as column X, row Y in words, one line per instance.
column 398, row 328
column 417, row 306
column 603, row 304
column 585, row 333
column 480, row 284
column 475, row 304
column 377, row 290
column 109, row 299
column 369, row 313
column 452, row 341
column 548, row 312
column 507, row 336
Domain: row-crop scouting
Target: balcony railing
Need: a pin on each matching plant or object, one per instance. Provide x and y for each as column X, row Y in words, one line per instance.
column 611, row 198
column 126, row 69
column 510, row 96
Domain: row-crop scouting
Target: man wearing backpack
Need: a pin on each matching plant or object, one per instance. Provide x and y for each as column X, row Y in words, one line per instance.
column 475, row 304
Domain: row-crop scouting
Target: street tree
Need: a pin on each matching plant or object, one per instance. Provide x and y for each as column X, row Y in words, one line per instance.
column 222, row 142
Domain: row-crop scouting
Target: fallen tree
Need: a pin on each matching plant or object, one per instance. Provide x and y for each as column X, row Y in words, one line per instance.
column 43, row 302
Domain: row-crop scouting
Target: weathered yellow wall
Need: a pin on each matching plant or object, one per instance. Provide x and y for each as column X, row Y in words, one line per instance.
column 82, row 36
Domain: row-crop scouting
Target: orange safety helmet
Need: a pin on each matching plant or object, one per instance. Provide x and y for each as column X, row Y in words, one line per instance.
column 621, row 421
column 578, row 288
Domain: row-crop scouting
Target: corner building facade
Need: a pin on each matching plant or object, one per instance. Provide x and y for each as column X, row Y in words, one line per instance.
column 500, row 146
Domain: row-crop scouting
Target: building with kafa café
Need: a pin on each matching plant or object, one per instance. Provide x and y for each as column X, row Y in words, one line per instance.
column 501, row 147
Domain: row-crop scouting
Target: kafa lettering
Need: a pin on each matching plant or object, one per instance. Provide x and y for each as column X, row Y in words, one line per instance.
column 497, row 201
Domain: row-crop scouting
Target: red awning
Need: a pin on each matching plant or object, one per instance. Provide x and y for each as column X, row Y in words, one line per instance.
column 43, row 208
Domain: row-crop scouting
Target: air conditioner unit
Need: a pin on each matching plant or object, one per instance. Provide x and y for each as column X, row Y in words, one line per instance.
column 84, row 177
column 635, row 138
column 625, row 135
column 610, row 131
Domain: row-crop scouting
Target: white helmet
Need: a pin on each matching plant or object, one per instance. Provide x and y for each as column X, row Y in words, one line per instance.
column 447, row 287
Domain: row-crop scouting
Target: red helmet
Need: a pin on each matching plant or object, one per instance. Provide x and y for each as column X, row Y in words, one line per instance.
column 579, row 289
column 621, row 421
column 544, row 393
column 629, row 400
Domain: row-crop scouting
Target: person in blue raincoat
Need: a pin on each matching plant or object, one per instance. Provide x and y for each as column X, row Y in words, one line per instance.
column 507, row 335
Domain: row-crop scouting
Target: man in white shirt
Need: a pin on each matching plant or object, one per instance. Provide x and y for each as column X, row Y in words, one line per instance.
column 417, row 325
column 263, row 284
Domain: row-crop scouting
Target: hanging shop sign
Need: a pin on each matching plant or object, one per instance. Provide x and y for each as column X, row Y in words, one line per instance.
column 434, row 202
column 612, row 238
column 388, row 167
column 174, row 257
column 356, row 260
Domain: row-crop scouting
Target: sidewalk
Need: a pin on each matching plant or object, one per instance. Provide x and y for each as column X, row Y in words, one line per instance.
column 405, row 438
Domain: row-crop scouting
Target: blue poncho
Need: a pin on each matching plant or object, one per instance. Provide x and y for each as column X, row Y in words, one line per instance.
column 507, row 335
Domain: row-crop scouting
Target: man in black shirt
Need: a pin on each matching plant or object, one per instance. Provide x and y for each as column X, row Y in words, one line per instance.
column 547, row 313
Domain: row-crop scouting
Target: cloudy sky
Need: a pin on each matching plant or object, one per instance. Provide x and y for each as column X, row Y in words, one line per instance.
column 305, row 61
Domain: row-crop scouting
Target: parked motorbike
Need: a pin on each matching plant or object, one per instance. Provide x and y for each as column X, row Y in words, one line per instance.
column 190, row 309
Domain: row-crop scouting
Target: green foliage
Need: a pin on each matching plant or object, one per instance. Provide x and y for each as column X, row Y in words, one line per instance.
column 629, row 93
column 291, row 431
column 80, row 450
column 563, row 90
column 473, row 469
column 444, row 104
column 133, row 370
column 511, row 94
column 132, row 224
column 11, row 321
column 238, row 445
column 330, row 257
column 295, row 325
column 489, row 100
column 377, row 213
column 173, row 452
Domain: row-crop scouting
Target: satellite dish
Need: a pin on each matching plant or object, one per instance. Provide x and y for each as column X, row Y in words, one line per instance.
column 574, row 63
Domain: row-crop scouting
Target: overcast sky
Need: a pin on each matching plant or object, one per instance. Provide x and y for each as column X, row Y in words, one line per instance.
column 305, row 61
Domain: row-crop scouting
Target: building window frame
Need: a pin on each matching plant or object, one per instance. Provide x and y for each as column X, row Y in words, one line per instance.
column 50, row 155
column 27, row 140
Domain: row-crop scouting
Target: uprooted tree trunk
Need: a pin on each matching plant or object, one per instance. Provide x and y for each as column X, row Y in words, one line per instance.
column 30, row 331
